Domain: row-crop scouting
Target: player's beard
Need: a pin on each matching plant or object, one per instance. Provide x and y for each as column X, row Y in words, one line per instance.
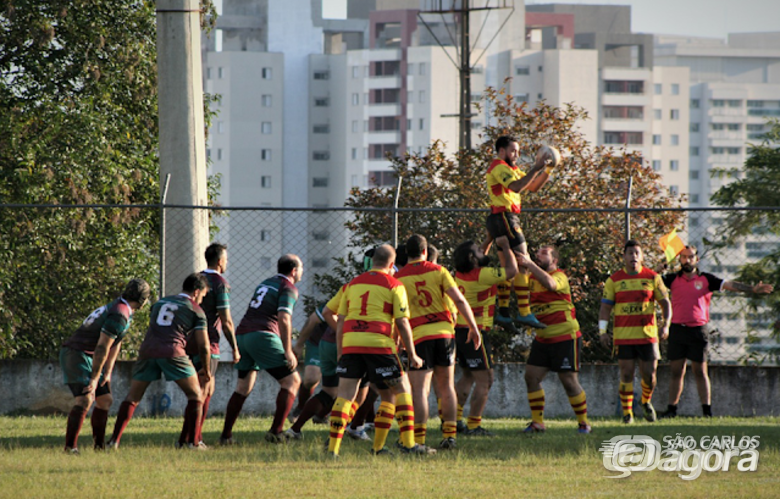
column 544, row 266
column 484, row 261
column 687, row 268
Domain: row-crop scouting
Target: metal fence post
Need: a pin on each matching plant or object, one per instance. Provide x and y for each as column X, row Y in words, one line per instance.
column 163, row 197
column 395, row 212
column 628, row 207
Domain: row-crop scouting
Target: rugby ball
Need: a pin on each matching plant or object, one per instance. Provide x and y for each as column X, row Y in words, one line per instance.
column 551, row 155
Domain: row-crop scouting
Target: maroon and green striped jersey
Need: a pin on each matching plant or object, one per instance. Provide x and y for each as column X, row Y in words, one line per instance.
column 274, row 295
column 218, row 298
column 171, row 321
column 112, row 319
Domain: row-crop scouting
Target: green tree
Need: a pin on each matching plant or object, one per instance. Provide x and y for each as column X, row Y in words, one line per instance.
column 590, row 177
column 78, row 125
column 756, row 185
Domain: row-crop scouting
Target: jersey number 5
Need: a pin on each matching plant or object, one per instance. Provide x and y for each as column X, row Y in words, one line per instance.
column 425, row 298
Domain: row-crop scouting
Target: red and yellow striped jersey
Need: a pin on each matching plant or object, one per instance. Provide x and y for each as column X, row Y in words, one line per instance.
column 633, row 296
column 370, row 304
column 499, row 176
column 479, row 289
column 333, row 303
column 555, row 309
column 425, row 284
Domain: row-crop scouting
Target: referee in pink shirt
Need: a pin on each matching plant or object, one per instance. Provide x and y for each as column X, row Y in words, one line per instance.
column 691, row 292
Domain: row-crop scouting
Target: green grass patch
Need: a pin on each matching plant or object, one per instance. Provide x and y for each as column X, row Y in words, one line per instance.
column 559, row 463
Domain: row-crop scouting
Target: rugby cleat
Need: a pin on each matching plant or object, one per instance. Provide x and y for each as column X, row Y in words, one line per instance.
column 668, row 414
column 628, row 418
column 275, row 438
column 357, row 434
column 384, row 451
column 530, row 320
column 479, row 432
column 506, row 323
column 419, row 449
column 72, row 451
column 112, row 445
column 534, row 427
column 448, row 443
column 291, row 434
column 584, row 429
column 200, row 446
column 649, row 410
column 462, row 428
column 226, row 441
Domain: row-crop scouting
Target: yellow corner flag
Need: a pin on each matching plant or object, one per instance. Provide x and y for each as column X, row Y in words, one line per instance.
column 672, row 245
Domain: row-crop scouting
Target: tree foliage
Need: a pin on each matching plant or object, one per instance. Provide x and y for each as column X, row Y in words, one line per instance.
column 78, row 125
column 756, row 185
column 591, row 177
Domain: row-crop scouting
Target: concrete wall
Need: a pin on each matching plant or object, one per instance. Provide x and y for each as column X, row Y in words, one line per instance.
column 35, row 387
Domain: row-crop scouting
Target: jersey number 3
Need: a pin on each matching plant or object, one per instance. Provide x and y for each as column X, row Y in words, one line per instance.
column 259, row 295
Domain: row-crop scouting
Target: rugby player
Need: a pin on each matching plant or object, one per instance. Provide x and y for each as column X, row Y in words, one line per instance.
column 557, row 347
column 265, row 342
column 505, row 183
column 172, row 320
column 87, row 359
column 477, row 280
column 428, row 285
column 216, row 305
column 372, row 303
column 632, row 292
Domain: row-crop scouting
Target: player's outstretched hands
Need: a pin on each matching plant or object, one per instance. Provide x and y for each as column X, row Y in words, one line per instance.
column 523, row 260
column 292, row 360
column 763, row 289
column 475, row 338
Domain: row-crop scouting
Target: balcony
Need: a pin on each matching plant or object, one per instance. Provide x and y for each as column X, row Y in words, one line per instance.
column 384, row 109
column 387, row 81
column 384, row 136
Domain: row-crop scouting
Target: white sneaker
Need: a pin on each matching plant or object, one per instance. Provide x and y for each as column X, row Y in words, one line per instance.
column 358, row 433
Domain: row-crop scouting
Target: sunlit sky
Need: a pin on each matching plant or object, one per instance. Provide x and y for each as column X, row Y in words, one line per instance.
column 707, row 18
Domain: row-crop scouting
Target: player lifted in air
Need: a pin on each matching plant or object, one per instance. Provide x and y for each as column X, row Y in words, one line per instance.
column 265, row 342
column 632, row 293
column 505, row 183
column 428, row 285
column 87, row 359
column 556, row 347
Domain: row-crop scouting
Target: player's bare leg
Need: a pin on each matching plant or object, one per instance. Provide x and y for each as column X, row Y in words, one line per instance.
column 421, row 389
column 703, row 386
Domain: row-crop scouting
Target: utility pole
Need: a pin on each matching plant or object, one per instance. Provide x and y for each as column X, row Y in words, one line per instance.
column 182, row 139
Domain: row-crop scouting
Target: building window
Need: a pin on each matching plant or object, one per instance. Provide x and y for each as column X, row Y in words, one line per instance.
column 382, row 179
column 320, row 155
column 321, row 102
column 355, row 99
column 266, row 128
column 733, row 127
column 657, row 140
column 674, row 114
column 694, row 127
column 541, row 68
column 675, row 89
column 220, row 126
column 422, row 96
column 355, row 71
column 674, row 190
column 522, row 70
column 219, row 153
column 539, row 96
column 422, row 68
column 477, row 70
column 694, row 200
column 658, row 114
column 521, row 98
column 265, row 181
column 674, row 165
column 422, row 123
column 319, row 182
column 658, row 89
column 694, row 151
column 321, row 75
column 265, row 235
column 656, row 165
column 265, row 154
column 675, row 139
column 219, row 73
column 718, row 126
column 410, row 68
column 693, row 174
column 695, row 104
column 354, row 153
column 267, row 73
column 355, row 125
column 734, row 103
column 751, row 127
column 476, row 125
column 718, row 103
column 266, row 100
column 733, row 150
column 208, row 73
column 320, row 235
column 321, row 128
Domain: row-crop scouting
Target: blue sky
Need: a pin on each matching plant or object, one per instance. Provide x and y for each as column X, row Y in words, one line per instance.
column 708, row 18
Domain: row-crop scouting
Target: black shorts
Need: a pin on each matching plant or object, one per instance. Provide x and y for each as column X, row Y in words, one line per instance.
column 377, row 368
column 562, row 356
column 77, row 389
column 438, row 352
column 646, row 352
column 480, row 359
column 688, row 343
column 506, row 224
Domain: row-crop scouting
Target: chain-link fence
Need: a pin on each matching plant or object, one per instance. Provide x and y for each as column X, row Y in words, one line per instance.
column 99, row 246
